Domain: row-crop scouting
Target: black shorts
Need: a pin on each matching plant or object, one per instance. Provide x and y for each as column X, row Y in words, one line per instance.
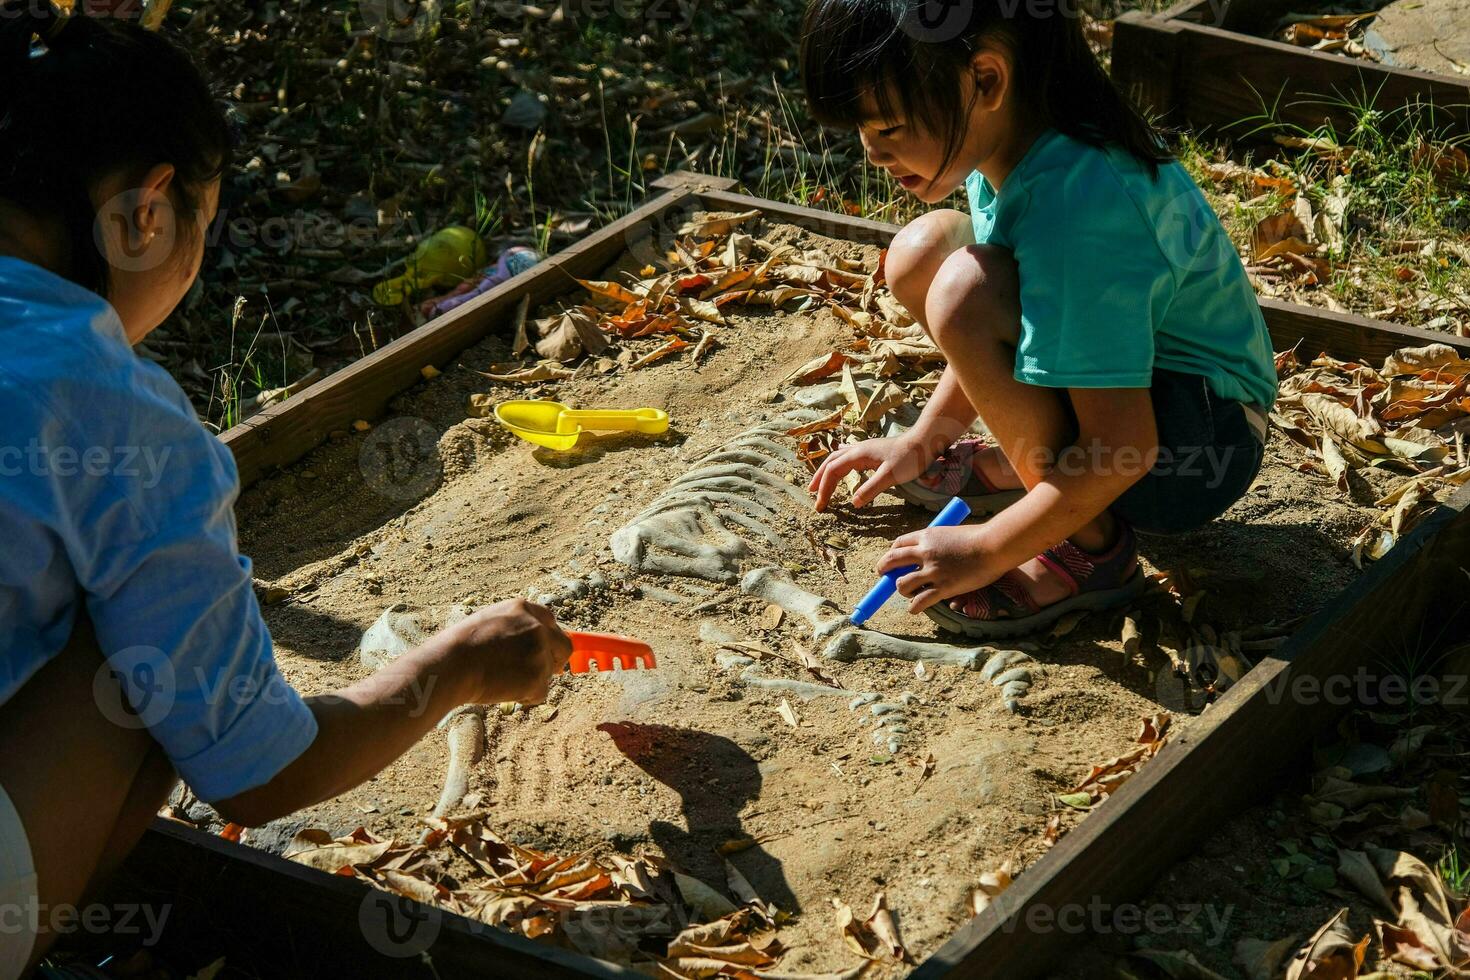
column 1210, row 450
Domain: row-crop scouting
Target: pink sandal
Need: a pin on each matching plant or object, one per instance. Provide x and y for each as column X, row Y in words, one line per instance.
column 1006, row 609
column 954, row 474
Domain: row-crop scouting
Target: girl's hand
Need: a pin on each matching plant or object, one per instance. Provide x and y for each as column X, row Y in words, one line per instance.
column 951, row 560
column 513, row 649
column 892, row 461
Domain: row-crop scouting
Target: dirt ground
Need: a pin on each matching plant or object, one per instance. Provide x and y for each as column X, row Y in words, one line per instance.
column 1432, row 35
column 684, row 758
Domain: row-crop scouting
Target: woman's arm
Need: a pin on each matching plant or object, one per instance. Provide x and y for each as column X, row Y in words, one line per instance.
column 1116, row 445
column 508, row 652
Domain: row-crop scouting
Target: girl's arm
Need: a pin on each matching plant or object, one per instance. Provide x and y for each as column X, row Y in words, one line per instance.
column 945, row 418
column 898, row 460
column 1117, row 444
column 508, row 652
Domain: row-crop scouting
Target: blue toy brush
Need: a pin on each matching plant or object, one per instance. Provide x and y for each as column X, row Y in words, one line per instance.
column 953, row 513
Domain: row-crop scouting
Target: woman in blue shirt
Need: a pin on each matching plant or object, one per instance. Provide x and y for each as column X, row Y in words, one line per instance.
column 131, row 643
column 1091, row 309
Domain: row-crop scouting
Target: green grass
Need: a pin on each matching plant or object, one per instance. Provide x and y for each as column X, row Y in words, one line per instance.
column 1394, row 196
column 1454, row 869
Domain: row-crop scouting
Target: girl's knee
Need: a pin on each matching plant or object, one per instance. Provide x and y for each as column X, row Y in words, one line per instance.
column 920, row 247
column 975, row 292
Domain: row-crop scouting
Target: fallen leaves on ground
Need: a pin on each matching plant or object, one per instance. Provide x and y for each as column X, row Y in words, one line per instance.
column 1331, row 954
column 1106, row 777
column 1408, row 416
column 1339, row 32
column 463, row 866
column 875, row 937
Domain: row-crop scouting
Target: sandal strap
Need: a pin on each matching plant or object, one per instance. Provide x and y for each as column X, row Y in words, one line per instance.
column 1005, row 598
column 954, row 470
column 1085, row 571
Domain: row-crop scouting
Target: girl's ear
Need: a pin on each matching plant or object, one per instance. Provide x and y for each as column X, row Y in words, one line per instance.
column 990, row 70
column 153, row 210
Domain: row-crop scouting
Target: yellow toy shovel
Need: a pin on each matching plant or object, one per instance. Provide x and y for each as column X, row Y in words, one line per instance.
column 553, row 425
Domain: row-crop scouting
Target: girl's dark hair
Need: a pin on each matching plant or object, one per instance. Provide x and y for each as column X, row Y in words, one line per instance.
column 101, row 96
column 908, row 55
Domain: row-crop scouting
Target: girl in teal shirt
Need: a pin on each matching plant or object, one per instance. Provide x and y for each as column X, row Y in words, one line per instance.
column 1092, row 310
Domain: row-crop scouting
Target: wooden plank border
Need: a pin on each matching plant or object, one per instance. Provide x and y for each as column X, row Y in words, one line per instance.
column 1225, row 761
column 1193, row 66
column 270, row 917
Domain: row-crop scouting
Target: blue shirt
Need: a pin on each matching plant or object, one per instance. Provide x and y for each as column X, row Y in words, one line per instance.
column 1121, row 272
column 116, row 501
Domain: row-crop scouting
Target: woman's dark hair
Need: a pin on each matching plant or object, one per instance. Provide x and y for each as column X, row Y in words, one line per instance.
column 908, row 55
column 99, row 97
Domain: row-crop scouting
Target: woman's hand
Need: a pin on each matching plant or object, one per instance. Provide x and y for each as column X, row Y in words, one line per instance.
column 891, row 461
column 951, row 561
column 514, row 648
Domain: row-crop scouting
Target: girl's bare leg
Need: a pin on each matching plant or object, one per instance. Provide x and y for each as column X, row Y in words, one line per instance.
column 85, row 787
column 914, row 259
column 970, row 301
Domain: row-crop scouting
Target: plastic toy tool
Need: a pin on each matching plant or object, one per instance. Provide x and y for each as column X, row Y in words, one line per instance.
column 553, row 425
column 446, row 258
column 600, row 651
column 953, row 513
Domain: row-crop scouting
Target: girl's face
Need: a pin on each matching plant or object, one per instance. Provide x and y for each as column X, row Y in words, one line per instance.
column 154, row 249
column 913, row 155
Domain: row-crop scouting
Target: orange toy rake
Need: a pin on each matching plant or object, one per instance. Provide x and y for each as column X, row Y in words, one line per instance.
column 604, row 651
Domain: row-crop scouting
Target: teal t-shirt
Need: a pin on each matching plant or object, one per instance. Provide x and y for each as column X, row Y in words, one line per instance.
column 1121, row 272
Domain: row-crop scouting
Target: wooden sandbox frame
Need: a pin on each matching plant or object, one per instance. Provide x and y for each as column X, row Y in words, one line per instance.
column 1199, row 63
column 256, row 908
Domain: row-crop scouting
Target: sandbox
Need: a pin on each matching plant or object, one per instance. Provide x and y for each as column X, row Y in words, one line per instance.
column 821, row 768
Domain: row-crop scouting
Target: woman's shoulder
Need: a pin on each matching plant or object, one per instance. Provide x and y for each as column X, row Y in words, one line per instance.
column 65, row 345
column 71, row 385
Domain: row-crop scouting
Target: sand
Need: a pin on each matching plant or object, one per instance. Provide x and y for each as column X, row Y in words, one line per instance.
column 684, row 758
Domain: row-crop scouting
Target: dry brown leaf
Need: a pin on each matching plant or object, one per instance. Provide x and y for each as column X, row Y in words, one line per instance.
column 571, row 334
column 1278, row 233
column 1331, row 953
column 543, row 371
column 991, row 884
column 611, row 291
column 824, row 424
column 788, row 714
column 880, row 923
column 817, row 369
column 673, row 346
column 718, row 224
